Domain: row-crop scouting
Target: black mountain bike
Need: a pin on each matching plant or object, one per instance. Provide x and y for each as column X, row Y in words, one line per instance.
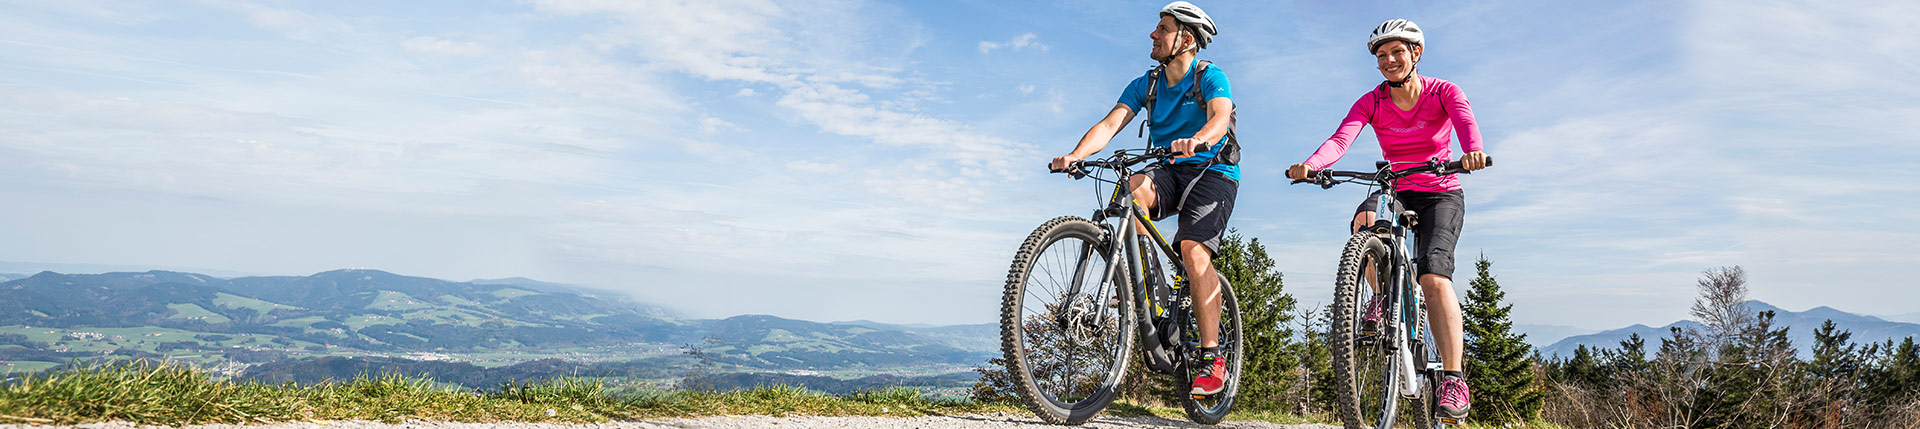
column 1082, row 291
column 1376, row 372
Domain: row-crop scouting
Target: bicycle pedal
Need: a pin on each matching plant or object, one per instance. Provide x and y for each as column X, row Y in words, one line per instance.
column 1201, row 396
column 1448, row 420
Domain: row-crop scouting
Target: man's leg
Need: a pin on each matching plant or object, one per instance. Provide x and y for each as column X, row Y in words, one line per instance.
column 1142, row 187
column 1206, row 290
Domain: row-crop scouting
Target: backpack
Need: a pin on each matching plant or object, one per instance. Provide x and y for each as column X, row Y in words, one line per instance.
column 1229, row 155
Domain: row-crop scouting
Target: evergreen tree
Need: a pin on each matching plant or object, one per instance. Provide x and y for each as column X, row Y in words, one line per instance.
column 1833, row 378
column 1630, row 361
column 1834, row 356
column 1895, row 376
column 1497, row 359
column 1265, row 310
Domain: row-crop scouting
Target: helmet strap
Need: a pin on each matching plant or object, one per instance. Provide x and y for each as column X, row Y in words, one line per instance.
column 1410, row 74
column 1178, row 49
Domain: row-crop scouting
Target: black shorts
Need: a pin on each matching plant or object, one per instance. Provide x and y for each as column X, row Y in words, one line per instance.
column 1441, row 214
column 1203, row 217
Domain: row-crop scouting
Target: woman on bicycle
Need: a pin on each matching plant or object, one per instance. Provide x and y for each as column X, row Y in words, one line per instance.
column 1412, row 116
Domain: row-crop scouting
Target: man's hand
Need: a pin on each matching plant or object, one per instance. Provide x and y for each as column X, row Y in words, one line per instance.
column 1185, row 147
column 1474, row 160
column 1061, row 163
column 1299, row 172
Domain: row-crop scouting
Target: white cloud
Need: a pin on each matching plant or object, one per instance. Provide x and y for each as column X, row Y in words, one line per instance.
column 1018, row 43
column 712, row 125
column 1025, row 89
column 810, row 167
column 744, row 92
column 435, row 45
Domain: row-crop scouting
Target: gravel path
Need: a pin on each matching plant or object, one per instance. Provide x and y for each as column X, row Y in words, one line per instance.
column 973, row 421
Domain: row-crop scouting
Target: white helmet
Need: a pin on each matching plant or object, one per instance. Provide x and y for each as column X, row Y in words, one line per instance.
column 1398, row 29
column 1188, row 14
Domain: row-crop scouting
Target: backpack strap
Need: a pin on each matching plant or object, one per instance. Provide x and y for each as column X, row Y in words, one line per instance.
column 1146, row 105
column 1229, row 155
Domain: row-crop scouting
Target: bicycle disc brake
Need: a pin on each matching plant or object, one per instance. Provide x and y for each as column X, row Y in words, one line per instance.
column 1083, row 318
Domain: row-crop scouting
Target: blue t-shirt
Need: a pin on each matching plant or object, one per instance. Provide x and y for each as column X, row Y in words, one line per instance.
column 1177, row 116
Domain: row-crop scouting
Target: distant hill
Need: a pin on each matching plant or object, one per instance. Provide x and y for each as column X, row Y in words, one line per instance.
column 1913, row 317
column 54, row 317
column 771, row 342
column 1543, row 335
column 314, row 370
column 364, row 309
column 1800, row 329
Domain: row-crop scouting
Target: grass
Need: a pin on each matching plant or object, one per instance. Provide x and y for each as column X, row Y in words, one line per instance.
column 153, row 393
column 191, row 311
column 228, row 300
column 146, row 392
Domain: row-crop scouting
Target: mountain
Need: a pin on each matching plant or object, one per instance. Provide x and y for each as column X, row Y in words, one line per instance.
column 53, row 318
column 771, row 342
column 1543, row 335
column 1913, row 317
column 1800, row 327
column 310, row 371
column 547, row 287
column 363, row 309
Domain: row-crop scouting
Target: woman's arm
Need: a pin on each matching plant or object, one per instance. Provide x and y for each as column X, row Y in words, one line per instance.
column 1336, row 146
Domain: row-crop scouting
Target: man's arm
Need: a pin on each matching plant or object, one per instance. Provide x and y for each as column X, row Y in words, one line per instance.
column 1219, row 120
column 1098, row 136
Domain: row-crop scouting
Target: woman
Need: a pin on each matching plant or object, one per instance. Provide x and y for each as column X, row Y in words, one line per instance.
column 1412, row 116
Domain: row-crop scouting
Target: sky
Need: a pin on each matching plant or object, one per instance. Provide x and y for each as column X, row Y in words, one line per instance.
column 849, row 159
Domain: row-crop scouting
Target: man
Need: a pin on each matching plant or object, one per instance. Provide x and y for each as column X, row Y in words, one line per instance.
column 1192, row 108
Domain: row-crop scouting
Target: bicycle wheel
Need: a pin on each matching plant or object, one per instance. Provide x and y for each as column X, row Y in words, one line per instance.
column 1213, row 408
column 1067, row 351
column 1363, row 365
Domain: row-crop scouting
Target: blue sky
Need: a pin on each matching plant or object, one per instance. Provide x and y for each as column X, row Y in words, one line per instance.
column 836, row 160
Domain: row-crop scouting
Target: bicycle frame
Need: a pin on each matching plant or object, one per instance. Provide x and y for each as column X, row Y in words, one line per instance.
column 1127, row 244
column 1404, row 293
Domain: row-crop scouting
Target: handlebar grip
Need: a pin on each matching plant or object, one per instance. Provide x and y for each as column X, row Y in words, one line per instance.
column 1072, row 170
column 1460, row 167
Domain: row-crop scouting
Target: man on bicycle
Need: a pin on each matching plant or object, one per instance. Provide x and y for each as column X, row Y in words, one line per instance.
column 1412, row 116
column 1194, row 109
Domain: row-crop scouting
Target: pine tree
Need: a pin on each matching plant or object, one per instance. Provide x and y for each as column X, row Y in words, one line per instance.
column 1498, row 361
column 1265, row 310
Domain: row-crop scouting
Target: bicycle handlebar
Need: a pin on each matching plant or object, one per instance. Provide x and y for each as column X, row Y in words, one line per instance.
column 1325, row 178
column 1121, row 159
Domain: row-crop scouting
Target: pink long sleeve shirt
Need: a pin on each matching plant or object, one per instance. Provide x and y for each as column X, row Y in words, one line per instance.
column 1408, row 136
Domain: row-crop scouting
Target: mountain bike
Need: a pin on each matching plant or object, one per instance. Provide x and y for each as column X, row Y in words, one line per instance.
column 1082, row 291
column 1395, row 364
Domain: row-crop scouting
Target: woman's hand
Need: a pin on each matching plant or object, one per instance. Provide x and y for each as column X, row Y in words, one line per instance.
column 1474, row 160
